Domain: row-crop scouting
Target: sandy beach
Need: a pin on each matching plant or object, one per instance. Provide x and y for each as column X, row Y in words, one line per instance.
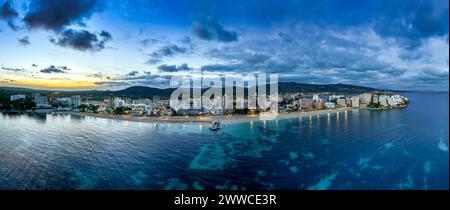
column 238, row 118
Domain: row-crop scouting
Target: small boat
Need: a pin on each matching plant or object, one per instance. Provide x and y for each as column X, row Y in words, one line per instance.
column 215, row 125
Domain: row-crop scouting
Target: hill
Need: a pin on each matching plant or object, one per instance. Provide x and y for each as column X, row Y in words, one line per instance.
column 142, row 91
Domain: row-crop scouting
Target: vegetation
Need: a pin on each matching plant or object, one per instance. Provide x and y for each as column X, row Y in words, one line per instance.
column 374, row 105
column 89, row 108
column 17, row 105
column 122, row 110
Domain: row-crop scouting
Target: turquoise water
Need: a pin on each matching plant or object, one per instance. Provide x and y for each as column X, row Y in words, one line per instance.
column 397, row 149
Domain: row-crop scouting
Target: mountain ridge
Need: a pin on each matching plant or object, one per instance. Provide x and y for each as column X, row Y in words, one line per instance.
column 142, row 91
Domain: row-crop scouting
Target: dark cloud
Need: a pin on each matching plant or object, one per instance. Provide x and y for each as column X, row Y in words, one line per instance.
column 12, row 69
column 432, row 76
column 174, row 68
column 24, row 41
column 106, row 36
column 12, row 25
column 411, row 22
column 147, row 79
column 112, row 84
column 82, row 40
column 133, row 73
column 7, row 12
column 96, row 75
column 209, row 29
column 52, row 69
column 149, row 41
column 56, row 14
column 153, row 61
column 256, row 58
column 285, row 37
column 167, row 51
column 186, row 40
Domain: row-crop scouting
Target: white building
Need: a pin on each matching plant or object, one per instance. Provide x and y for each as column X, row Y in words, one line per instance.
column 391, row 102
column 330, row 105
column 365, row 98
column 17, row 97
column 75, row 101
column 332, row 97
column 41, row 101
column 139, row 109
column 398, row 98
column 315, row 97
column 382, row 99
column 341, row 102
column 64, row 101
column 355, row 102
column 118, row 102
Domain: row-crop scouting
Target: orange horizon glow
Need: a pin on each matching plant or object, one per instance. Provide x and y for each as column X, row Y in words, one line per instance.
column 50, row 84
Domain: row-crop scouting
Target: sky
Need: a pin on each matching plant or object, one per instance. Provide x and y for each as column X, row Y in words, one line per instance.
column 93, row 44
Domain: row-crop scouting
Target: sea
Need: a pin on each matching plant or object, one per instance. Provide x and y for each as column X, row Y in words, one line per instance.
column 359, row 149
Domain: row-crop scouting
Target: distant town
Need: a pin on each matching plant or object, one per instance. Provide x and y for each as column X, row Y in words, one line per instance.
column 123, row 107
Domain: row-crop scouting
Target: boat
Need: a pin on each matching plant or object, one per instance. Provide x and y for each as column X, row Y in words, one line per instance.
column 215, row 125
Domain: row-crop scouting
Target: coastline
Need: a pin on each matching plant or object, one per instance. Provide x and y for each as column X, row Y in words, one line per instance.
column 227, row 119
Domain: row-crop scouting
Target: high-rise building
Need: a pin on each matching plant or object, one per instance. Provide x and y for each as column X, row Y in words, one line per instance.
column 365, row 98
column 40, row 100
column 355, row 102
column 75, row 101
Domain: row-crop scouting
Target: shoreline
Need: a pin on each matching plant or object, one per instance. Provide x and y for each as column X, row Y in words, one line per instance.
column 227, row 119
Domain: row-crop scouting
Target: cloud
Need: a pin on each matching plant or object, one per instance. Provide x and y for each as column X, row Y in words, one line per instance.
column 56, row 14
column 12, row 69
column 24, row 41
column 153, row 61
column 52, row 69
column 133, row 73
column 7, row 12
column 96, row 75
column 174, row 68
column 147, row 79
column 149, row 41
column 106, row 36
column 320, row 55
column 209, row 29
column 112, row 84
column 411, row 22
column 82, row 40
column 168, row 50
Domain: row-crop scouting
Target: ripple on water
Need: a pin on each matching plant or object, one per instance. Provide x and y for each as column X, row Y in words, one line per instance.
column 293, row 155
column 408, row 184
column 324, row 183
column 211, row 157
column 308, row 155
column 175, row 184
column 138, row 178
column 442, row 145
column 197, row 186
column 293, row 169
column 427, row 167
